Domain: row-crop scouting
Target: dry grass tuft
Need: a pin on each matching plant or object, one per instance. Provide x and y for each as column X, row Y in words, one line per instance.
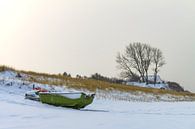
column 6, row 68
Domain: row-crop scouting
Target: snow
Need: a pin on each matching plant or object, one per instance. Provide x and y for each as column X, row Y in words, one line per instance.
column 19, row 113
column 158, row 79
column 72, row 95
column 68, row 95
column 7, row 74
column 160, row 85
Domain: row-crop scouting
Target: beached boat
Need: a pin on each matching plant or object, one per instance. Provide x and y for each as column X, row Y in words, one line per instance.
column 32, row 95
column 72, row 100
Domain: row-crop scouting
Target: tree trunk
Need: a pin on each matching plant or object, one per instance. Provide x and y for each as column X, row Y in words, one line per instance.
column 155, row 76
column 146, row 77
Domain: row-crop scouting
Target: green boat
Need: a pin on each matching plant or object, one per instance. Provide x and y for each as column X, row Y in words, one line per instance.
column 72, row 100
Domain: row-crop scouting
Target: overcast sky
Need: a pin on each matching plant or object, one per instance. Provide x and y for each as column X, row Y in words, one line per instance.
column 84, row 36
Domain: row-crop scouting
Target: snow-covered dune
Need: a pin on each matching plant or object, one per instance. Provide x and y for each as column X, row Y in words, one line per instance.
column 20, row 85
column 19, row 113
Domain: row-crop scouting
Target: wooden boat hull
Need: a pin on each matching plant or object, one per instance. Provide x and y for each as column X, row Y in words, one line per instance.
column 63, row 99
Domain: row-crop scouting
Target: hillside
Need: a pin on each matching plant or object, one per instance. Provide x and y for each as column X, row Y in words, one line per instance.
column 19, row 113
column 10, row 76
column 114, row 107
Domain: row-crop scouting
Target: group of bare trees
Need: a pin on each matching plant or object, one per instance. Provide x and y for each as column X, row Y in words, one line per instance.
column 138, row 59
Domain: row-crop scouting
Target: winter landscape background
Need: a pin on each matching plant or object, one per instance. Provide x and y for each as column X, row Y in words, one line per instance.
column 136, row 56
column 83, row 37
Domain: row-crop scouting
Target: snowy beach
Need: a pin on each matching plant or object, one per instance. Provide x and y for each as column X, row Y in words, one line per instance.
column 19, row 113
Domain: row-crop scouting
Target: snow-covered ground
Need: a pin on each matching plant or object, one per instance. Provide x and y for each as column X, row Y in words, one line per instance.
column 158, row 86
column 19, row 113
column 159, row 83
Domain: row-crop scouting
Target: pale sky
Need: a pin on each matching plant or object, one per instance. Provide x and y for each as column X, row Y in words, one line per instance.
column 84, row 36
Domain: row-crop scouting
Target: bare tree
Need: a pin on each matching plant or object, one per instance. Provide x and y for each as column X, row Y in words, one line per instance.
column 147, row 59
column 136, row 59
column 137, row 51
column 158, row 61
